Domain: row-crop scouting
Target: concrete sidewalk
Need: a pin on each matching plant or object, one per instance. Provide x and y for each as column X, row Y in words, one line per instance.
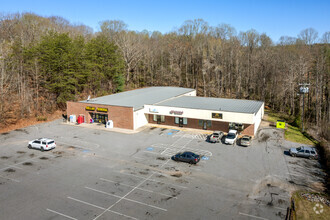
column 128, row 131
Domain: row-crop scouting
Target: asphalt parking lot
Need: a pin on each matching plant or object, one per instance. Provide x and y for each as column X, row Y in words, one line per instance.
column 96, row 174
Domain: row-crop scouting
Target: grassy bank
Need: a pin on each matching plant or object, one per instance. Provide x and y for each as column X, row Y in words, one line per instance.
column 292, row 133
column 306, row 209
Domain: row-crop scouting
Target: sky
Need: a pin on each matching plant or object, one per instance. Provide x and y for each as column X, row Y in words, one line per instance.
column 276, row 18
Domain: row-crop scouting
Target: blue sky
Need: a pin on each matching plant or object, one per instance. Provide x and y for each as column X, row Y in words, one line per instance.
column 275, row 18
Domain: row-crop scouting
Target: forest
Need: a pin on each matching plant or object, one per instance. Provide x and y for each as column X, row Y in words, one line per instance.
column 46, row 61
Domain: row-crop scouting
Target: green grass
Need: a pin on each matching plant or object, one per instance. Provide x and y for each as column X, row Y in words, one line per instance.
column 304, row 208
column 291, row 133
column 294, row 134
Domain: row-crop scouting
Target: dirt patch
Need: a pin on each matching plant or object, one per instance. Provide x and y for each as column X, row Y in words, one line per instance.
column 143, row 172
column 21, row 123
column 22, row 130
column 58, row 152
column 4, row 157
column 28, row 164
column 10, row 170
column 152, row 128
column 154, row 165
column 43, row 158
column 160, row 176
column 4, row 133
column 161, row 158
column 71, row 148
column 263, row 137
column 20, row 152
column 177, row 174
column 163, row 129
column 31, row 155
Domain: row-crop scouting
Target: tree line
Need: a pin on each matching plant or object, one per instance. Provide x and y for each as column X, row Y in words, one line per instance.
column 46, row 61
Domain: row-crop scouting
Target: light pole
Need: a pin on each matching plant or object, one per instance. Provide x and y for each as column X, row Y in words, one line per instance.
column 304, row 88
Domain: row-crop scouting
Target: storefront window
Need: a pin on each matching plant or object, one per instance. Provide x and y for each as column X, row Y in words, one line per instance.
column 162, row 118
column 176, row 120
column 185, row 121
column 236, row 126
column 155, row 117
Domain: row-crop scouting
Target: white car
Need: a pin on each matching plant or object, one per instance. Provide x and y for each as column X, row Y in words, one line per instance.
column 42, row 144
column 231, row 137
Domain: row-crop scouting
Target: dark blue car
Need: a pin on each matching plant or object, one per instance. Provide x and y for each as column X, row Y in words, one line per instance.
column 188, row 157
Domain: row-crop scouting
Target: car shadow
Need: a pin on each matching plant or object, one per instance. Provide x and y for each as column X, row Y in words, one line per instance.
column 286, row 152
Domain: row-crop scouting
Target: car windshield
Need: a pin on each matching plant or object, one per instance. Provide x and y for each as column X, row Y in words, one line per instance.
column 299, row 148
column 51, row 142
column 245, row 139
column 231, row 136
column 215, row 135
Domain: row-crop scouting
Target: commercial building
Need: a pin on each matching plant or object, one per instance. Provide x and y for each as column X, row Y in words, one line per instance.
column 170, row 106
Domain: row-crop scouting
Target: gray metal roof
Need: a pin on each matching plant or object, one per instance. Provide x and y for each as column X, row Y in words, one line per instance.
column 139, row 97
column 215, row 104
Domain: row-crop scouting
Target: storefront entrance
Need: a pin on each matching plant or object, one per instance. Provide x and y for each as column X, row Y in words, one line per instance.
column 99, row 118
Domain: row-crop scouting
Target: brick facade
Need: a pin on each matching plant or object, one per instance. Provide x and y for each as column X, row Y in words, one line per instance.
column 194, row 123
column 122, row 117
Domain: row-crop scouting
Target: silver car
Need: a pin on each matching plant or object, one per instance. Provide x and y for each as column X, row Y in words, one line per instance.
column 216, row 137
column 245, row 141
column 307, row 152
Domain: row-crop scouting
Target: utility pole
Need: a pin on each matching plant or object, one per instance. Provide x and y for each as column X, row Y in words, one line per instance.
column 303, row 89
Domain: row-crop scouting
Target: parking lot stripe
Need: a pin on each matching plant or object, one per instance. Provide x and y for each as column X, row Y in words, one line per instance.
column 131, row 200
column 87, row 203
column 127, row 216
column 123, row 197
column 61, row 214
column 138, row 188
column 14, row 166
column 253, row 216
column 17, row 181
column 152, row 180
column 99, row 207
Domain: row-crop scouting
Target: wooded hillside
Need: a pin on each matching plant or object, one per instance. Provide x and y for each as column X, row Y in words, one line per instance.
column 46, row 61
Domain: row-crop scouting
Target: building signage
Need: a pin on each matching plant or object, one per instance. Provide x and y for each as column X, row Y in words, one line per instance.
column 176, row 112
column 217, row 115
column 89, row 108
column 153, row 110
column 102, row 109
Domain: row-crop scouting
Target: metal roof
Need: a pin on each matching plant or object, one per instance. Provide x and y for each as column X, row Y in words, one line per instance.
column 215, row 104
column 139, row 97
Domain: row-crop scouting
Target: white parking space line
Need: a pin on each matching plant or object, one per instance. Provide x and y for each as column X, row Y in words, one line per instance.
column 120, row 197
column 99, row 207
column 80, row 146
column 13, row 166
column 151, row 180
column 146, row 190
column 275, row 207
column 252, row 216
column 17, row 181
column 58, row 213
column 31, row 159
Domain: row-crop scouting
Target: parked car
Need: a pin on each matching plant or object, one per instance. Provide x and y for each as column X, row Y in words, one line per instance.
column 188, row 157
column 245, row 140
column 231, row 137
column 308, row 152
column 216, row 137
column 42, row 144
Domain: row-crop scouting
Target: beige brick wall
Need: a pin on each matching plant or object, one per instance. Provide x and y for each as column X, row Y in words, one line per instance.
column 122, row 117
